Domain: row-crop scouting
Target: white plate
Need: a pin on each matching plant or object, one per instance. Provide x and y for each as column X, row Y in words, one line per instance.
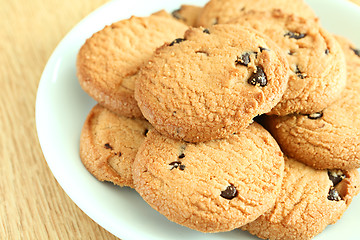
column 62, row 106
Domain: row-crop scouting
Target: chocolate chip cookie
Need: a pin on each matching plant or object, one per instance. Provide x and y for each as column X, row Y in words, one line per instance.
column 109, row 60
column 187, row 14
column 329, row 139
column 109, row 143
column 211, row 83
column 352, row 53
column 222, row 11
column 309, row 200
column 211, row 186
column 317, row 63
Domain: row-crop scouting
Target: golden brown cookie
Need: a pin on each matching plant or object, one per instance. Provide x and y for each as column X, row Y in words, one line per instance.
column 309, row 200
column 109, row 143
column 317, row 64
column 212, row 186
column 325, row 140
column 187, row 14
column 211, row 83
column 109, row 60
column 352, row 53
column 222, row 11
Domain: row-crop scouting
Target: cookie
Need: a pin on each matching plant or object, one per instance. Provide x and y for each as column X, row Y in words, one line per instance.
column 211, row 83
column 109, row 60
column 352, row 53
column 187, row 14
column 309, row 200
column 222, row 11
column 329, row 139
column 211, row 186
column 317, row 64
column 109, row 143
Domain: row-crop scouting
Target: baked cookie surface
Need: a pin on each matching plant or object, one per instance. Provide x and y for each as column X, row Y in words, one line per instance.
column 325, row 140
column 211, row 83
column 352, row 52
column 213, row 186
column 309, row 200
column 187, row 14
column 109, row 143
column 109, row 60
column 317, row 64
column 222, row 11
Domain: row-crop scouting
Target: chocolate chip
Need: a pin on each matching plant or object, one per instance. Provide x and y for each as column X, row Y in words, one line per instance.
column 206, row 31
column 336, row 176
column 295, row 35
column 146, row 132
column 181, row 155
column 229, row 193
column 263, row 49
column 177, row 41
column 299, row 73
column 177, row 164
column 243, row 60
column 176, row 14
column 356, row 51
column 258, row 78
column 315, row 115
column 334, row 195
column 107, row 146
column 291, row 52
column 327, row 51
column 174, row 164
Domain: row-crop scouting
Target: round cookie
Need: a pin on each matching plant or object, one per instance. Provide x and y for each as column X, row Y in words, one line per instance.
column 222, row 11
column 211, row 83
column 352, row 53
column 325, row 140
column 211, row 186
column 317, row 64
column 109, row 143
column 309, row 200
column 109, row 60
column 187, row 14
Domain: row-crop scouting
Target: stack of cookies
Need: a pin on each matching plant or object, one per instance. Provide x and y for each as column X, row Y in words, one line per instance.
column 239, row 114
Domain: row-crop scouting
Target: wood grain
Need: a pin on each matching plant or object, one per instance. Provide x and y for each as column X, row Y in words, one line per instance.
column 32, row 204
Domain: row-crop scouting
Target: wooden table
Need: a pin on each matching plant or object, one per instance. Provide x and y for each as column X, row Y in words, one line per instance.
column 32, row 204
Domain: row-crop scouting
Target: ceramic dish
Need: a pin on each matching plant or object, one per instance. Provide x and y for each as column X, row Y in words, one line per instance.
column 62, row 106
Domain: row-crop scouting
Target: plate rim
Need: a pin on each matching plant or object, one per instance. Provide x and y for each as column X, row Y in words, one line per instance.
column 39, row 105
